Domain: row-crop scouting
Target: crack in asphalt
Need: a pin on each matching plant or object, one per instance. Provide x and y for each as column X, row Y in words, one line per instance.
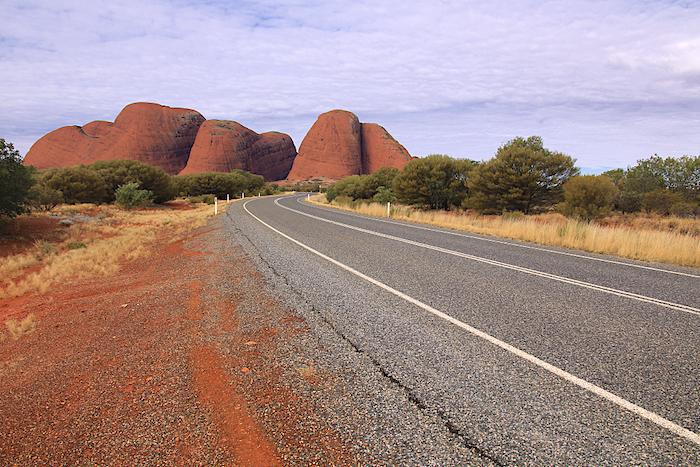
column 453, row 429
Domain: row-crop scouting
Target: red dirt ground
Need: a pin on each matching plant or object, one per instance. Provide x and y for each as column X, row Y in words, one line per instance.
column 155, row 365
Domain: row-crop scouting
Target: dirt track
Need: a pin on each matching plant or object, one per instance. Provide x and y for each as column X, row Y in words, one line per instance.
column 171, row 361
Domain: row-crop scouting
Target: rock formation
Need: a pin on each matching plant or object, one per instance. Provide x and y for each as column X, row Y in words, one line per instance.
column 332, row 148
column 224, row 145
column 151, row 133
column 338, row 145
column 380, row 149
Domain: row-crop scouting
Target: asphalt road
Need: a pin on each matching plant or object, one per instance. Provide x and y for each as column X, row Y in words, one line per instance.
column 522, row 354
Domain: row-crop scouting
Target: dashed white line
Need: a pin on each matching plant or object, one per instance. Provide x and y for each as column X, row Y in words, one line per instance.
column 590, row 387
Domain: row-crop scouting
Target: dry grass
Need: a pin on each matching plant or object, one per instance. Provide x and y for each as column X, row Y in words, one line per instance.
column 113, row 237
column 22, row 327
column 647, row 238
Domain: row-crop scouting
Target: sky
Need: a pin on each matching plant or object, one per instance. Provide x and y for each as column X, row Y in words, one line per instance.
column 606, row 82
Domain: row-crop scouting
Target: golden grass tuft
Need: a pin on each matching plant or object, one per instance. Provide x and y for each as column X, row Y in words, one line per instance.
column 633, row 238
column 22, row 327
column 114, row 237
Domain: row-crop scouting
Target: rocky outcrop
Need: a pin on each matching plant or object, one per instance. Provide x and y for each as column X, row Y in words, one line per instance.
column 338, row 145
column 224, row 145
column 331, row 149
column 380, row 149
column 151, row 133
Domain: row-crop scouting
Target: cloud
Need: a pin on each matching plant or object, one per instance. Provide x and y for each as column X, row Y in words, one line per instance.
column 608, row 82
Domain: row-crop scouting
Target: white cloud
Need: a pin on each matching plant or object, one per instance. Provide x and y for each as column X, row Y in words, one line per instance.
column 607, row 81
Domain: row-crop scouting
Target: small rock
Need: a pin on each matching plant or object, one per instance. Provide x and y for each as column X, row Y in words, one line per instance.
column 66, row 222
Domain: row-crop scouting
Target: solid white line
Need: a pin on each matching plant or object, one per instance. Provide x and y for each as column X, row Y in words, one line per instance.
column 590, row 387
column 534, row 272
column 503, row 242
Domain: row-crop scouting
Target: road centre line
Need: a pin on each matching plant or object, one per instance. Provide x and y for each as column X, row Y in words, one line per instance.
column 590, row 387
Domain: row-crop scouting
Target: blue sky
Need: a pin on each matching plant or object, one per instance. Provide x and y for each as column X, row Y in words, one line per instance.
column 606, row 82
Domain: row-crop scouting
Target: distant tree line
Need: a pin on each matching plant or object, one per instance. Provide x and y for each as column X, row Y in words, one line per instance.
column 126, row 182
column 524, row 176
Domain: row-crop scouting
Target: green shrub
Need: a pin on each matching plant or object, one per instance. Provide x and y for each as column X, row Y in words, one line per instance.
column 130, row 196
column 384, row 195
column 43, row 198
column 684, row 209
column 660, row 201
column 219, row 184
column 522, row 176
column 122, row 172
column 76, row 245
column 78, row 184
column 436, row 182
column 208, row 199
column 15, row 181
column 589, row 197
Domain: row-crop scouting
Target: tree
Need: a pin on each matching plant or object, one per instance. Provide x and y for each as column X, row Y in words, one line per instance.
column 352, row 186
column 130, row 196
column 383, row 177
column 384, row 195
column 15, row 181
column 148, row 177
column 523, row 176
column 589, row 197
column 43, row 197
column 79, row 184
column 436, row 182
column 660, row 201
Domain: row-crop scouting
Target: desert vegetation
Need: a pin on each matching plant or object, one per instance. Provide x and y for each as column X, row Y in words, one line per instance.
column 95, row 242
column 102, row 215
column 528, row 192
column 128, row 183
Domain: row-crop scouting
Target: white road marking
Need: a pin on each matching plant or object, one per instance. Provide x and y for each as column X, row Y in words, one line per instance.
column 534, row 272
column 503, row 242
column 590, row 387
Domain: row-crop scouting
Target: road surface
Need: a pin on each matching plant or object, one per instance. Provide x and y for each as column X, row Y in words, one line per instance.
column 519, row 354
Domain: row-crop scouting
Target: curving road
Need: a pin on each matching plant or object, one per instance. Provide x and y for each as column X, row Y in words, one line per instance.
column 525, row 354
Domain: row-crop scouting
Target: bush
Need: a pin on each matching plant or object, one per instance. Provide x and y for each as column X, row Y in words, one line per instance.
column 684, row 209
column 352, row 187
column 436, row 182
column 384, row 195
column 660, row 201
column 130, row 196
column 122, row 172
column 589, row 197
column 78, row 184
column 219, row 184
column 522, row 176
column 301, row 186
column 43, row 198
column 15, row 181
column 207, row 199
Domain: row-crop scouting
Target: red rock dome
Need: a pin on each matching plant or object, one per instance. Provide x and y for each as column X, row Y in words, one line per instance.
column 338, row 145
column 151, row 133
column 331, row 149
column 380, row 149
column 224, row 145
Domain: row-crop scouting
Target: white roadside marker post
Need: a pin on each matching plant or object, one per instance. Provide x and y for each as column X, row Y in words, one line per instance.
column 388, row 209
column 243, row 195
column 227, row 198
column 308, row 196
column 216, row 206
column 258, row 194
